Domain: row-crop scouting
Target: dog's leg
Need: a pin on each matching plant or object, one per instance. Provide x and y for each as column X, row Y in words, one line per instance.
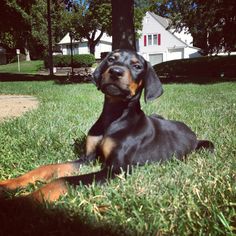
column 44, row 173
column 52, row 191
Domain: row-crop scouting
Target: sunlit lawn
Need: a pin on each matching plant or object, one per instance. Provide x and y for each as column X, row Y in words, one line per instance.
column 26, row 67
column 195, row 197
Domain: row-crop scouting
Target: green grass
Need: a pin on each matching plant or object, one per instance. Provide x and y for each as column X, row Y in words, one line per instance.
column 194, row 197
column 26, row 67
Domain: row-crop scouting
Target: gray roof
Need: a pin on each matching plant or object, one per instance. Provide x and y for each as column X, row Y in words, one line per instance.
column 165, row 22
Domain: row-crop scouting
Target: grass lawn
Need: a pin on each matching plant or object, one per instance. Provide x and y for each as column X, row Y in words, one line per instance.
column 26, row 67
column 195, row 197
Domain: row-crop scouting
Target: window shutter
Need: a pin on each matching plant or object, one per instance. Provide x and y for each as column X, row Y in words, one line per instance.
column 159, row 39
column 145, row 40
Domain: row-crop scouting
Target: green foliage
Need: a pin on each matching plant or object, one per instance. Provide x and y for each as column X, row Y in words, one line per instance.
column 7, row 39
column 16, row 23
column 96, row 15
column 194, row 197
column 215, row 66
column 59, row 22
column 144, row 4
column 86, row 17
column 39, row 26
column 29, row 27
column 138, row 20
column 80, row 60
column 84, row 60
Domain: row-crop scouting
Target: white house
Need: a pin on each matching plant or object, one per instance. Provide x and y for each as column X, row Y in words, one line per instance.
column 81, row 47
column 156, row 44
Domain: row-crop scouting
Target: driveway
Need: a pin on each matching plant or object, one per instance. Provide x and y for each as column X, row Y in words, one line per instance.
column 15, row 105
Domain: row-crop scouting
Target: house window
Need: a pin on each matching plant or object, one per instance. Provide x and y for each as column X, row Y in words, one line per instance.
column 149, row 39
column 152, row 39
column 155, row 39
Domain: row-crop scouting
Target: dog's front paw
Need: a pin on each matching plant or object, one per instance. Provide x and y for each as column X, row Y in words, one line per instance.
column 8, row 185
column 50, row 192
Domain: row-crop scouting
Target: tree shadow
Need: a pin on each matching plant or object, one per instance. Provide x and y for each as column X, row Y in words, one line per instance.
column 65, row 79
column 195, row 80
column 59, row 79
column 10, row 77
column 21, row 216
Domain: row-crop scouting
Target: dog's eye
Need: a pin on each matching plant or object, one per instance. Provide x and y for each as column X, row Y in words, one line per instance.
column 137, row 66
column 111, row 59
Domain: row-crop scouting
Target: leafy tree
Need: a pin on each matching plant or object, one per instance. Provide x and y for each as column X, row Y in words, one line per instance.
column 25, row 25
column 210, row 22
column 143, row 4
column 39, row 25
column 89, row 16
column 28, row 30
column 86, row 17
column 15, row 28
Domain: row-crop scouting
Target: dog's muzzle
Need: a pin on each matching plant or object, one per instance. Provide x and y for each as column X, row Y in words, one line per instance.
column 113, row 90
column 111, row 84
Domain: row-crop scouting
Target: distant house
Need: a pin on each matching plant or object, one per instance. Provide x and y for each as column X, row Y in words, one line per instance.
column 81, row 47
column 156, row 44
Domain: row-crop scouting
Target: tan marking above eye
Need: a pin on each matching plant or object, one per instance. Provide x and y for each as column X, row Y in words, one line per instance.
column 116, row 54
column 134, row 60
column 91, row 143
column 107, row 146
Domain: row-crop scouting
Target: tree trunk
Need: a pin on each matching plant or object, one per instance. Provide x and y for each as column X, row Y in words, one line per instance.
column 49, row 38
column 92, row 48
column 92, row 42
column 123, row 34
column 27, row 52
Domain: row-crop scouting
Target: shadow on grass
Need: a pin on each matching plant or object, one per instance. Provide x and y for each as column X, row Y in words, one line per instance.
column 9, row 77
column 23, row 217
column 195, row 80
column 61, row 79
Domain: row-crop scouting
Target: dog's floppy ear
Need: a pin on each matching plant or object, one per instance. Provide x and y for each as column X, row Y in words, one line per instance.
column 96, row 77
column 152, row 84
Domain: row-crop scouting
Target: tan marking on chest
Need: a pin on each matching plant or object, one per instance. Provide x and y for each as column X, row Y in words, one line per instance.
column 107, row 146
column 91, row 143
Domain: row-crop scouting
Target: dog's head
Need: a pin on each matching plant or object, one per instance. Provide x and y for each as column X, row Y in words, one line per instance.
column 124, row 74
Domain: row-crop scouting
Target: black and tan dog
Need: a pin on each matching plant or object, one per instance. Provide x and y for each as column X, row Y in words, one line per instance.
column 123, row 135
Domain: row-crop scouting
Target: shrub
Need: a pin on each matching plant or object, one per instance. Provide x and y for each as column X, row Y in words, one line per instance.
column 84, row 60
column 214, row 66
column 79, row 60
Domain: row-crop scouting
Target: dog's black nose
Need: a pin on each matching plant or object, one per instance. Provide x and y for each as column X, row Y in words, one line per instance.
column 116, row 71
